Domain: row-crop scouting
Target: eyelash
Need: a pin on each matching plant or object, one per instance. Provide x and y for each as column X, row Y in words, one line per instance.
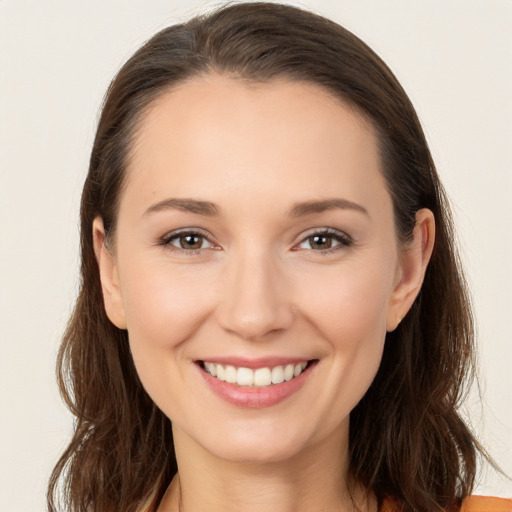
column 167, row 240
column 342, row 238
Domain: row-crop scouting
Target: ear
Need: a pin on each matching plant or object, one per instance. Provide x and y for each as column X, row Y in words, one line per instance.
column 414, row 259
column 109, row 276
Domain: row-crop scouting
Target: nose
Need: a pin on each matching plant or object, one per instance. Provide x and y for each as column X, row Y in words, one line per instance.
column 254, row 297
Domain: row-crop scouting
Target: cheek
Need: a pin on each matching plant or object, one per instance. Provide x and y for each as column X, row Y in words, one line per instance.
column 350, row 315
column 163, row 304
column 350, row 307
column 165, row 307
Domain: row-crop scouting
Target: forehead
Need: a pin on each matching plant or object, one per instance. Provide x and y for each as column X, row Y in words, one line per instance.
column 216, row 132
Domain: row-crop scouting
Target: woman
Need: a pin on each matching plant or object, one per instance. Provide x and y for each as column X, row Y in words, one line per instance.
column 272, row 313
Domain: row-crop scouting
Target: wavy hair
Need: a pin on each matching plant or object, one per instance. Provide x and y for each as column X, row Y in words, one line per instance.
column 407, row 438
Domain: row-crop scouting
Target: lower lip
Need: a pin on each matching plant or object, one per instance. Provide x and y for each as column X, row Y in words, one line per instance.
column 256, row 397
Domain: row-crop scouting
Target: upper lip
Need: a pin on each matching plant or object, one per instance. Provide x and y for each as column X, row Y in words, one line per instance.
column 254, row 363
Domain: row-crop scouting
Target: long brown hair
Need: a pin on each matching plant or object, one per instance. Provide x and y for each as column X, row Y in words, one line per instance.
column 407, row 440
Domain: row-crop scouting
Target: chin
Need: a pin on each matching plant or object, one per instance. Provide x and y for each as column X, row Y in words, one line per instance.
column 258, row 442
column 257, row 451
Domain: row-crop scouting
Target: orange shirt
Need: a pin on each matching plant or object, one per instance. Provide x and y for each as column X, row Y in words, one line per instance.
column 472, row 504
column 486, row 504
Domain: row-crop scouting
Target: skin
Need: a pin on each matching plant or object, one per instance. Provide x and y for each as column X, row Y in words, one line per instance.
column 258, row 286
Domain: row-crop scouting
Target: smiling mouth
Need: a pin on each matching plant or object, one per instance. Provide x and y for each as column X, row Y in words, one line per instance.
column 257, row 378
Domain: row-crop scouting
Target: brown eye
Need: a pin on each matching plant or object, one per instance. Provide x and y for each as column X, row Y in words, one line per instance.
column 320, row 242
column 188, row 241
column 325, row 241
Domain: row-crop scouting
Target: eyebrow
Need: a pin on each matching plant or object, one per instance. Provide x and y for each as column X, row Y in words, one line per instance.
column 211, row 209
column 309, row 207
column 185, row 205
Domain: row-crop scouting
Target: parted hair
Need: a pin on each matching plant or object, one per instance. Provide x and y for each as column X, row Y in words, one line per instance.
column 407, row 438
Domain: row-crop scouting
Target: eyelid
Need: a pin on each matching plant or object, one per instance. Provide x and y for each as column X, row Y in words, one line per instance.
column 343, row 238
column 169, row 237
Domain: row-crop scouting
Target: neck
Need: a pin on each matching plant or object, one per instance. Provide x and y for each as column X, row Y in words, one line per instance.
column 315, row 479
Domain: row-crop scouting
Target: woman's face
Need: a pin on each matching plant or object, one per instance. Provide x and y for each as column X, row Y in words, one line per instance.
column 255, row 233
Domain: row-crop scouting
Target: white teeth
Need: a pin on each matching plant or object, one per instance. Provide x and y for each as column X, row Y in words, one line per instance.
column 260, row 377
column 277, row 375
column 220, row 372
column 298, row 369
column 288, row 372
column 211, row 368
column 245, row 377
column 230, row 374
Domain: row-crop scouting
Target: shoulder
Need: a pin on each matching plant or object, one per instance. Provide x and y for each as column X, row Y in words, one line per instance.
column 471, row 504
column 486, row 504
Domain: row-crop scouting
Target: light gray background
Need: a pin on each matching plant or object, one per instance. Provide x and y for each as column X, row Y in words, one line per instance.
column 56, row 60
